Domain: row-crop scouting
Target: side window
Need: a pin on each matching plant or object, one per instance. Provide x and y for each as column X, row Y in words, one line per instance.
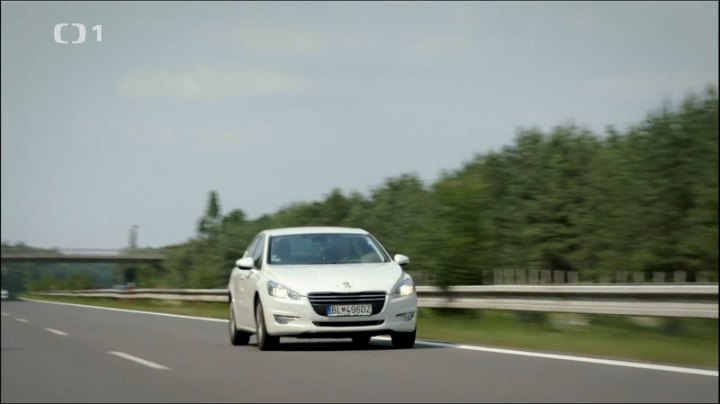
column 258, row 252
column 251, row 248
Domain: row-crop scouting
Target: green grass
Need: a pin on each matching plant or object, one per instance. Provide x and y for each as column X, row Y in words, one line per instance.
column 187, row 308
column 686, row 341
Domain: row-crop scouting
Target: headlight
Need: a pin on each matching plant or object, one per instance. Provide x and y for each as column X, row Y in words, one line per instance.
column 405, row 288
column 281, row 291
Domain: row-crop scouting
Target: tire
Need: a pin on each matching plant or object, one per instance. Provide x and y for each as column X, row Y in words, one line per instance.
column 237, row 337
column 403, row 340
column 265, row 342
column 361, row 340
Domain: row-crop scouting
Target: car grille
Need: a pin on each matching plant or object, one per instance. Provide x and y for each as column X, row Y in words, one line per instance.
column 347, row 323
column 321, row 300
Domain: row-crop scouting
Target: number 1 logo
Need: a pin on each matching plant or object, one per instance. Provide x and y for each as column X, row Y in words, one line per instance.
column 82, row 34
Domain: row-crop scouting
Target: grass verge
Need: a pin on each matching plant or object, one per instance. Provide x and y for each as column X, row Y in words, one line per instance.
column 187, row 308
column 675, row 341
column 686, row 341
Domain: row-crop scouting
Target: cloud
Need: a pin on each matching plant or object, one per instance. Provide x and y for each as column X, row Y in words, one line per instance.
column 442, row 43
column 250, row 136
column 461, row 27
column 281, row 40
column 296, row 40
column 642, row 85
column 208, row 83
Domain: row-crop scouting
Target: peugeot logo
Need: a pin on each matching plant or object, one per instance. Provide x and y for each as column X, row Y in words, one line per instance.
column 347, row 285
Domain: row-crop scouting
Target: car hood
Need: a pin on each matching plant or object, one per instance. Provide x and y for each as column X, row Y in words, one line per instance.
column 305, row 279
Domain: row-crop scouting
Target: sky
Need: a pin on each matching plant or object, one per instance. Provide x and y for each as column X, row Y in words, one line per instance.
column 271, row 103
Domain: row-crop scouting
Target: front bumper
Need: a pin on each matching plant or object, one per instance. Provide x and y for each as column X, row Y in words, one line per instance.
column 296, row 318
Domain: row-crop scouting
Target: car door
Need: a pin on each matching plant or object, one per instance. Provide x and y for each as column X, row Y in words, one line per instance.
column 247, row 285
column 237, row 287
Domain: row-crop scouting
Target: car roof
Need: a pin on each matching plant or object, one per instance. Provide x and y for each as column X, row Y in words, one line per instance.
column 313, row 230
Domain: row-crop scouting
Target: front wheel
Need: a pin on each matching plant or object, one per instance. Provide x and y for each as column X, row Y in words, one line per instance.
column 403, row 340
column 237, row 337
column 265, row 342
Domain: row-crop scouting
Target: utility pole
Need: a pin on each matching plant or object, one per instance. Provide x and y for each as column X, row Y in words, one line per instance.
column 133, row 237
column 128, row 270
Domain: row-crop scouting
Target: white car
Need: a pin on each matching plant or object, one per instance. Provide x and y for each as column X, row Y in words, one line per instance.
column 320, row 282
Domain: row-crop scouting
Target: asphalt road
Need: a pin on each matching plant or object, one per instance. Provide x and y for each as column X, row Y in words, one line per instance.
column 61, row 353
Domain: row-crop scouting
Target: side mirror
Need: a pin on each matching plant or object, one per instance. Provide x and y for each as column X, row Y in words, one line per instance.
column 245, row 263
column 401, row 260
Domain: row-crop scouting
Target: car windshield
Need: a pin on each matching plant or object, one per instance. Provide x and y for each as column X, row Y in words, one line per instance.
column 324, row 248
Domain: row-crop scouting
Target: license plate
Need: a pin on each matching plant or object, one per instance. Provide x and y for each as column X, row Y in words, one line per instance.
column 349, row 310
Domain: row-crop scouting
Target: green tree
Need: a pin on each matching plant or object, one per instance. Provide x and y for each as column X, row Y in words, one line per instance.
column 642, row 200
column 209, row 224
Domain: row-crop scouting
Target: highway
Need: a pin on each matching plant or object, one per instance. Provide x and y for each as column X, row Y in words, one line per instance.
column 68, row 353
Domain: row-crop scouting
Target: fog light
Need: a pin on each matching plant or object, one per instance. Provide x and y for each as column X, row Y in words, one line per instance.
column 407, row 316
column 284, row 319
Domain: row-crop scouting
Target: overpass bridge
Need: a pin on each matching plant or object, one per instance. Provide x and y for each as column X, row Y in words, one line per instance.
column 82, row 255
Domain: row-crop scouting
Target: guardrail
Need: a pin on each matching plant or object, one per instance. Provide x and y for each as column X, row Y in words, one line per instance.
column 634, row 300
column 688, row 300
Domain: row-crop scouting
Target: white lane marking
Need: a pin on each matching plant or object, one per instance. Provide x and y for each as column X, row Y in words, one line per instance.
column 131, row 311
column 138, row 360
column 611, row 362
column 22, row 320
column 54, row 331
column 5, row 314
column 677, row 369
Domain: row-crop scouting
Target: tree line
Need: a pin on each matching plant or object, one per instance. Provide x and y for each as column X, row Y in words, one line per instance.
column 642, row 200
column 645, row 200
